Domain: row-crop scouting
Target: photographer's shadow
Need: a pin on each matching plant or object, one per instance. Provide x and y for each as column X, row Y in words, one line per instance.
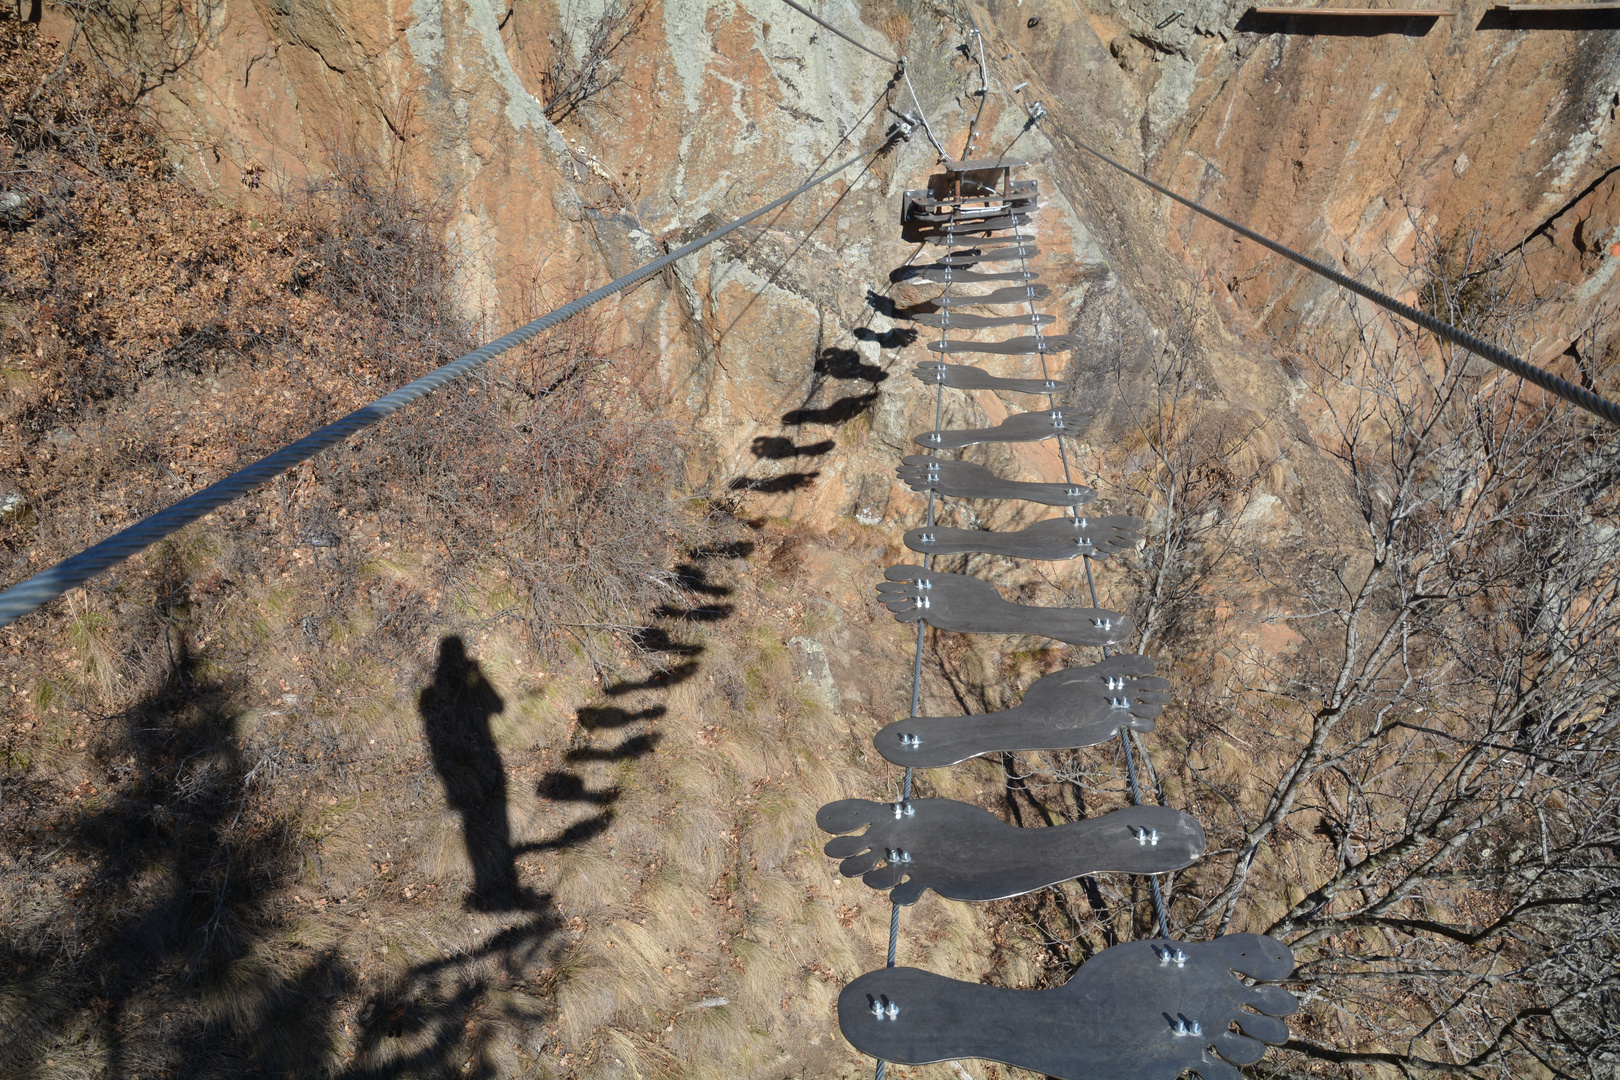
column 456, row 710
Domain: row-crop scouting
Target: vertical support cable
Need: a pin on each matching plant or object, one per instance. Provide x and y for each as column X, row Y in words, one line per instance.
column 1091, row 582
column 928, row 559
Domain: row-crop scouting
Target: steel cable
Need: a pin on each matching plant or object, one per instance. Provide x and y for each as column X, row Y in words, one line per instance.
column 47, row 585
column 1091, row 583
column 815, row 18
column 1553, row 384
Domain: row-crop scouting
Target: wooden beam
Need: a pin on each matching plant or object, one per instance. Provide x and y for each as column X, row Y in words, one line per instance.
column 1556, row 7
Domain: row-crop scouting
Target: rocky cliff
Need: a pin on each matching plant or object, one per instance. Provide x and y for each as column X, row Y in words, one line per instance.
column 562, row 144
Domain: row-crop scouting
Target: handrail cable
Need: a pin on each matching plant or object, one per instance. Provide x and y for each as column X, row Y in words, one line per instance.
column 47, row 585
column 1553, row 384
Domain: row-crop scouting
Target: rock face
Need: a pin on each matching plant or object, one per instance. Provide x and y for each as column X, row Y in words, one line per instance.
column 1343, row 140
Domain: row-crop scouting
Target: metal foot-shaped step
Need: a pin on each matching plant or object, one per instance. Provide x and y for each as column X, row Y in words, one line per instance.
column 964, row 321
column 1019, row 427
column 970, row 606
column 968, row 377
column 930, row 272
column 1017, row 240
column 1066, row 710
column 964, row 852
column 965, row 480
column 1053, row 540
column 1018, row 346
column 1014, row 295
column 1145, row 1010
column 989, row 255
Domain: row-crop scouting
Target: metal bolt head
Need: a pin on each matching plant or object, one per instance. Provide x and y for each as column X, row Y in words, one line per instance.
column 891, row 1010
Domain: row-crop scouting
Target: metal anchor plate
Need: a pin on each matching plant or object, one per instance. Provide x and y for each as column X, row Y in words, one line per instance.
column 1054, row 539
column 1131, row 1012
column 1019, row 427
column 965, row 480
column 964, row 852
column 1013, row 295
column 965, row 321
column 967, row 377
column 1018, row 346
column 1066, row 710
column 970, row 606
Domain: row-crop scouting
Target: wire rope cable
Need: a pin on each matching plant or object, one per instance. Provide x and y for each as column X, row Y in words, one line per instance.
column 928, row 559
column 1553, row 384
column 47, row 585
column 920, row 114
column 1091, row 582
column 807, row 13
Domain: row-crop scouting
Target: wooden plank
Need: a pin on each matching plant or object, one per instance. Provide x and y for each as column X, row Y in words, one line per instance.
column 1556, row 7
column 1373, row 13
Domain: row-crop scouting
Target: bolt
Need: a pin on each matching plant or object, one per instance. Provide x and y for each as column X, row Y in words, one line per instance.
column 1119, row 702
column 1103, row 624
column 925, row 538
column 892, row 1011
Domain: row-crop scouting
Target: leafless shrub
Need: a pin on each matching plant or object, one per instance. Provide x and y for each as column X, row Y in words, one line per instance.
column 1428, row 810
column 570, row 85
